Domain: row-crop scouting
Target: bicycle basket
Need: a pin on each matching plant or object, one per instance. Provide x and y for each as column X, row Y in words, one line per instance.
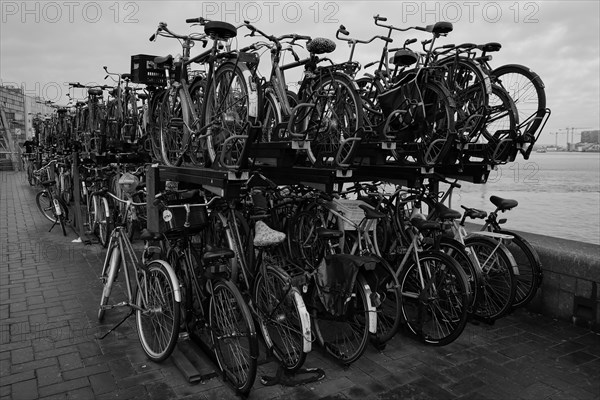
column 349, row 209
column 173, row 219
column 128, row 182
column 145, row 71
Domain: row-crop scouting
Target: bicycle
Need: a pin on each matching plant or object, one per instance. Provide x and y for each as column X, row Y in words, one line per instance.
column 489, row 265
column 357, row 220
column 51, row 205
column 153, row 292
column 211, row 303
column 530, row 275
column 276, row 303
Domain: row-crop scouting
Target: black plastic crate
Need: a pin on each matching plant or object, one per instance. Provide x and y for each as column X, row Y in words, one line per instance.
column 144, row 70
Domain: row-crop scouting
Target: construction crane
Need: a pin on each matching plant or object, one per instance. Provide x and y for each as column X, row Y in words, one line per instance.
column 572, row 133
column 556, row 137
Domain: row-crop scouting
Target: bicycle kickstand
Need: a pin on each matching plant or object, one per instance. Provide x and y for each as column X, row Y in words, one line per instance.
column 117, row 325
column 53, row 225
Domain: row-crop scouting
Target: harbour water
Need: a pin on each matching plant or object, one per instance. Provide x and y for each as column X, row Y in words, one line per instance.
column 558, row 194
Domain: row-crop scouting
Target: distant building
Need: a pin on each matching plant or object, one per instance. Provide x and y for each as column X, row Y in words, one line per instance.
column 590, row 137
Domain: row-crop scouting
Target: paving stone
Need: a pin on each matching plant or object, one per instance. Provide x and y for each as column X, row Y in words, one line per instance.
column 25, row 390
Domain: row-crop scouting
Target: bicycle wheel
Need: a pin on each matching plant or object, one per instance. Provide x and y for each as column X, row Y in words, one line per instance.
column 369, row 90
column 108, row 277
column 386, row 296
column 103, row 219
column 91, row 215
column 345, row 337
column 503, row 118
column 233, row 335
column 282, row 318
column 499, row 283
column 271, row 117
column 336, row 117
column 434, row 132
column 226, row 115
column 471, row 89
column 460, row 254
column 530, row 269
column 157, row 318
column 66, row 188
column 198, row 152
column 45, row 205
column 436, row 310
column 302, row 238
column 172, row 128
column 527, row 91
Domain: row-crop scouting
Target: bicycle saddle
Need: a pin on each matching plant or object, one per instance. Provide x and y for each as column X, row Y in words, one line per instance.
column 370, row 213
column 163, row 60
column 48, row 183
column 329, row 233
column 425, row 225
column 404, row 57
column 126, row 76
column 147, row 235
column 503, row 204
column 444, row 212
column 142, row 96
column 320, row 45
column 220, row 30
column 265, row 236
column 440, row 28
column 215, row 253
column 490, row 47
column 95, row 92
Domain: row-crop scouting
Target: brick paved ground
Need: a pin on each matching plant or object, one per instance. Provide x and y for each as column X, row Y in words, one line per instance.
column 49, row 291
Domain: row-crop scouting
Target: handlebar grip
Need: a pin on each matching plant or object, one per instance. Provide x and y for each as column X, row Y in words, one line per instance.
column 343, row 30
column 386, row 39
column 378, row 18
column 153, row 37
column 193, row 20
column 410, row 41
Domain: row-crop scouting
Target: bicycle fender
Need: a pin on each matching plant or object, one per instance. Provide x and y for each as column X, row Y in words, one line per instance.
column 305, row 320
column 173, row 277
column 372, row 311
column 502, row 248
column 252, row 90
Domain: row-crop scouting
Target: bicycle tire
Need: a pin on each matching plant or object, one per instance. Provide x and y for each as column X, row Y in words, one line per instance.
column 108, row 277
column 44, row 203
column 437, row 314
column 386, row 289
column 234, row 336
column 66, row 188
column 91, row 215
column 270, row 117
column 526, row 89
column 172, row 136
column 530, row 268
column 30, row 177
column 499, row 283
column 502, row 127
column 197, row 152
column 346, row 338
column 336, row 117
column 435, row 130
column 471, row 89
column 158, row 321
column 104, row 220
column 460, row 253
column 285, row 331
column 226, row 114
column 370, row 89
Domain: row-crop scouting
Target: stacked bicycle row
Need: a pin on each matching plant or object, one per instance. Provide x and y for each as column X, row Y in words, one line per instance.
column 299, row 265
column 442, row 106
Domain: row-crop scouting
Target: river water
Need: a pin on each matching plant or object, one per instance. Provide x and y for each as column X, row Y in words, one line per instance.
column 558, row 194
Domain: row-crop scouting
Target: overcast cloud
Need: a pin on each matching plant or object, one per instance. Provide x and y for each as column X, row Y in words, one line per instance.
column 44, row 44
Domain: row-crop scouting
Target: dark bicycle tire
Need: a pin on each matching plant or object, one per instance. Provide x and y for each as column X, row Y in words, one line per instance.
column 158, row 331
column 530, row 268
column 45, row 205
column 499, row 282
column 345, row 338
column 237, row 350
column 104, row 220
column 338, row 107
column 172, row 130
column 436, row 314
column 284, row 332
column 386, row 288
column 226, row 115
column 526, row 89
column 108, row 278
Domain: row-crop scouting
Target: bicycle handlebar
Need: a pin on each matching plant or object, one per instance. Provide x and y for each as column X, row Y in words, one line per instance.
column 342, row 30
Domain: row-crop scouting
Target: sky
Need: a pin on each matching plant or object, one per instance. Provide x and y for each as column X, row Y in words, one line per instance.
column 44, row 44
